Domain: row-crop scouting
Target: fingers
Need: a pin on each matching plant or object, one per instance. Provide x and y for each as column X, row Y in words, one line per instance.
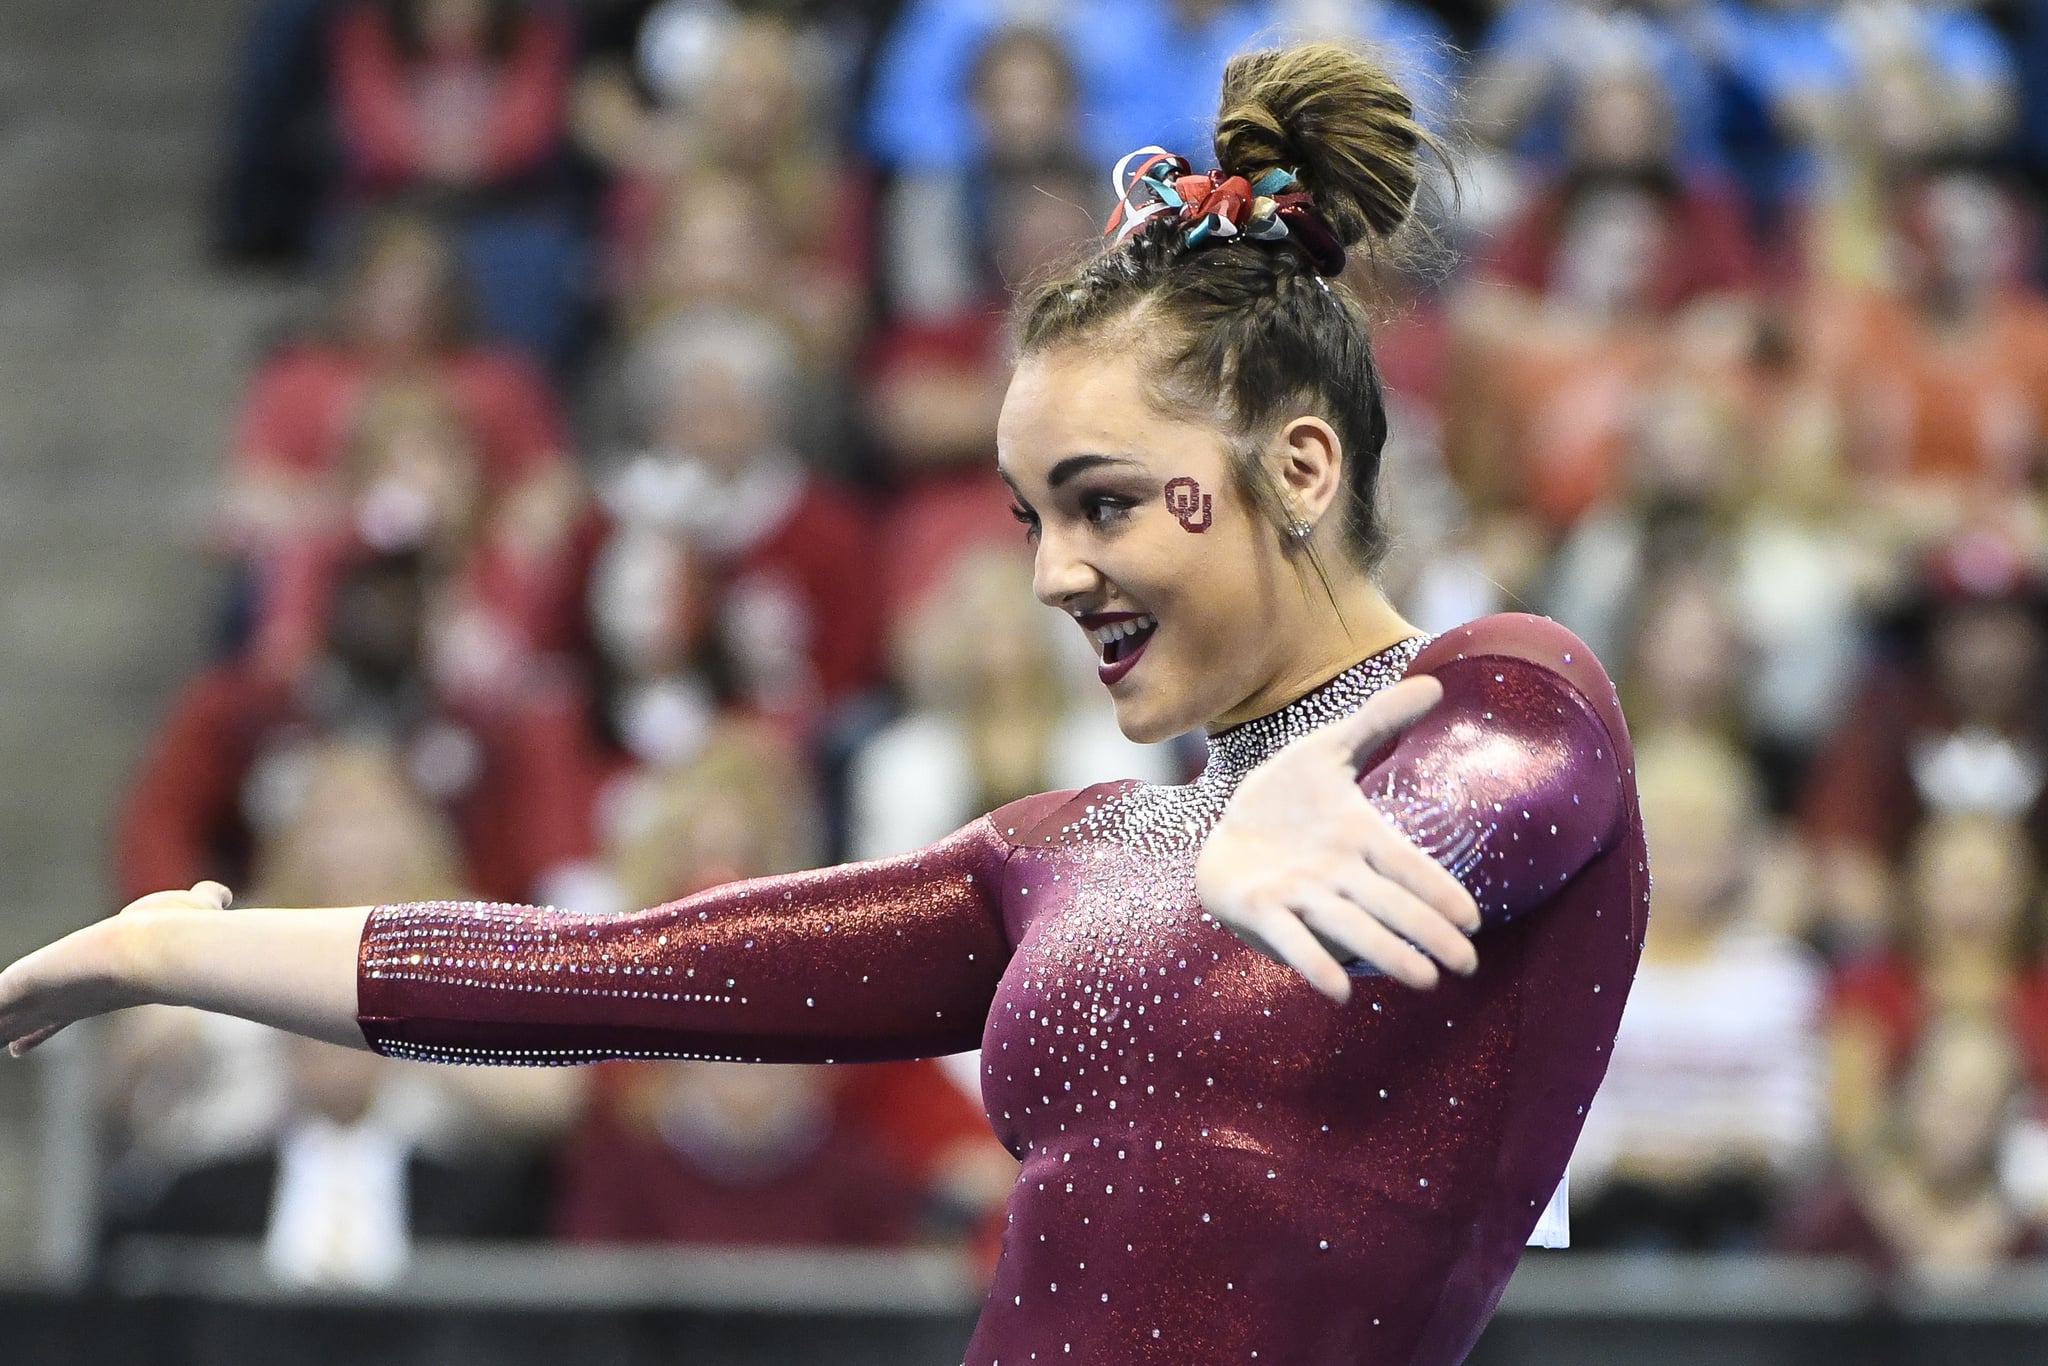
column 1394, row 856
column 1285, row 939
column 20, row 1047
column 1343, row 923
column 1385, row 714
column 1409, row 917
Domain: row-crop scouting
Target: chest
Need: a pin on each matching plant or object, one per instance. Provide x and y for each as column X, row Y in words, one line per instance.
column 1126, row 1012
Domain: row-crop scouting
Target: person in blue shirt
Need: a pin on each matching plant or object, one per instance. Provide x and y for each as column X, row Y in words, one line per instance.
column 1537, row 51
column 1148, row 69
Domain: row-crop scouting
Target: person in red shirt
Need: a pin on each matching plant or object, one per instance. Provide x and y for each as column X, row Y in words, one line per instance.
column 412, row 480
column 789, row 556
column 459, row 95
column 1972, row 886
column 226, row 759
column 1927, row 1203
column 933, row 385
column 1953, row 719
column 1944, row 384
column 1694, row 242
column 396, row 318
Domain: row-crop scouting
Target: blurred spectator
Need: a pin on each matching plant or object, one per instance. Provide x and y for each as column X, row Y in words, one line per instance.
column 396, row 316
column 1783, row 80
column 231, row 759
column 505, row 598
column 1952, row 721
column 1970, row 890
column 934, row 387
column 1679, row 489
column 279, row 163
column 462, row 104
column 337, row 1159
column 716, row 240
column 739, row 805
column 1802, row 570
column 1714, row 1099
column 723, row 1153
column 455, row 95
column 1538, row 56
column 941, row 222
column 710, row 1152
column 750, row 102
column 1622, row 186
column 993, row 715
column 918, row 114
column 1945, row 386
column 1927, row 1203
column 343, row 1188
column 1963, row 55
column 1916, row 102
column 793, row 607
column 1627, row 270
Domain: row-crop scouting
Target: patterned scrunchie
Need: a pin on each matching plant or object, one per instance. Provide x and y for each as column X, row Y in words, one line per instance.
column 1215, row 207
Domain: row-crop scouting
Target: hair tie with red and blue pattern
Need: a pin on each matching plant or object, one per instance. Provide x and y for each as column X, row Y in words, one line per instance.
column 1214, row 207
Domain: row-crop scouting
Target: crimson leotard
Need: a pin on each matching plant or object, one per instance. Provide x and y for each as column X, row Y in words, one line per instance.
column 1219, row 1164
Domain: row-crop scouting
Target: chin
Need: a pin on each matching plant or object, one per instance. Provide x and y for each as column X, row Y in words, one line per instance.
column 1148, row 720
column 1144, row 730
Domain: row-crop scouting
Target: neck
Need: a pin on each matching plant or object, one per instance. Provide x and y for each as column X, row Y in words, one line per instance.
column 1342, row 626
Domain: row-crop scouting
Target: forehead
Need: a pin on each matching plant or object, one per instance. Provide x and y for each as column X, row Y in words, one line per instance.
column 1075, row 401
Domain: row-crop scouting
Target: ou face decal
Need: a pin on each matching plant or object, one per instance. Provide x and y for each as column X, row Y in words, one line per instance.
column 1188, row 504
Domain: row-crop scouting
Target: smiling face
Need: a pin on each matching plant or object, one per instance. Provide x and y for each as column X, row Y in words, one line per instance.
column 1213, row 618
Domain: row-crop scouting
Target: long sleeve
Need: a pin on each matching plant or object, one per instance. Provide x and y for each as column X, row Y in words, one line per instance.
column 895, row 958
column 1514, row 782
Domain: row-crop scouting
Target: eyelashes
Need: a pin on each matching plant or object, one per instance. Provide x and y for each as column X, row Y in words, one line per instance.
column 1097, row 509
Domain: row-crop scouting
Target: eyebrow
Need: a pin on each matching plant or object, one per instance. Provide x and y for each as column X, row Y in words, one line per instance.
column 1081, row 464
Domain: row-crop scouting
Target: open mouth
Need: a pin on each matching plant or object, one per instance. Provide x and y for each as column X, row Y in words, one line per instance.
column 1121, row 640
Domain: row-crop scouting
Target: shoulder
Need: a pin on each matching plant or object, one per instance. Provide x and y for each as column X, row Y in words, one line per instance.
column 1519, row 635
column 1521, row 650
column 1528, row 639
column 1036, row 821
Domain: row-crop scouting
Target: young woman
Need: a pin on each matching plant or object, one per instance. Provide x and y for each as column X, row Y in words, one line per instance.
column 1220, row 1164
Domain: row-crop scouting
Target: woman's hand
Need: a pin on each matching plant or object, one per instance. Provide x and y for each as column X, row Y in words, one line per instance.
column 1308, row 872
column 105, row 966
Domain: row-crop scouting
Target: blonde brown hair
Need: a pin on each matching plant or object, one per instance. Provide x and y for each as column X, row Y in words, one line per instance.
column 1247, row 330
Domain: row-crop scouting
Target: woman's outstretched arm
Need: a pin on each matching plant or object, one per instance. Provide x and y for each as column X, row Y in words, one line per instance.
column 294, row 969
column 893, row 958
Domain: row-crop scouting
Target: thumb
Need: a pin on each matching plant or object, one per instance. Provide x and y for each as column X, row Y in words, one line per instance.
column 217, row 891
column 1385, row 714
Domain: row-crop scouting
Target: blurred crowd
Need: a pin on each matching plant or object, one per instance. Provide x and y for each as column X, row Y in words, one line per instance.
column 623, row 521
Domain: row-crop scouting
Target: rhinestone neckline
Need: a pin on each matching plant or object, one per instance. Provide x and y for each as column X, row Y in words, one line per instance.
column 1165, row 819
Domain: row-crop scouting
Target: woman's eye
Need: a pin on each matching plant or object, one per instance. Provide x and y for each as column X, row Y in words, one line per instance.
column 1101, row 509
column 1027, row 517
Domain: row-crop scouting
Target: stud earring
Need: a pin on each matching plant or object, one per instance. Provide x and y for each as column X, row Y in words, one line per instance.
column 1299, row 529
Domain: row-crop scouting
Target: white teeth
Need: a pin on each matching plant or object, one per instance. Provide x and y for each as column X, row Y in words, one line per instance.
column 1106, row 635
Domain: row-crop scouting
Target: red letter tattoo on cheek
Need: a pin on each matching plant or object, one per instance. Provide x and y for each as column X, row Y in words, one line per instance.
column 1188, row 504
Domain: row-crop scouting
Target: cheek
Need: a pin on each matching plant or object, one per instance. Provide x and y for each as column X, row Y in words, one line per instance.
column 1214, row 586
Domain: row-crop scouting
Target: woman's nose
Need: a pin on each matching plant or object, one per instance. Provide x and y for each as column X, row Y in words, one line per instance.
column 1058, row 575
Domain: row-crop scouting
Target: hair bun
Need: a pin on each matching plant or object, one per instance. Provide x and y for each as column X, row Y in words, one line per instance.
column 1337, row 119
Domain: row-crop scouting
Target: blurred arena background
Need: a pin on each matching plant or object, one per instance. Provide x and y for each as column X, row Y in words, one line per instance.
column 544, row 452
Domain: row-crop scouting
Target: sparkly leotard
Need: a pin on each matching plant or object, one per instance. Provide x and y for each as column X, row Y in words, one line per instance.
column 1219, row 1164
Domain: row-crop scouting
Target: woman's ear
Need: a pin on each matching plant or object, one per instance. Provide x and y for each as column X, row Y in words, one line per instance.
column 1308, row 464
